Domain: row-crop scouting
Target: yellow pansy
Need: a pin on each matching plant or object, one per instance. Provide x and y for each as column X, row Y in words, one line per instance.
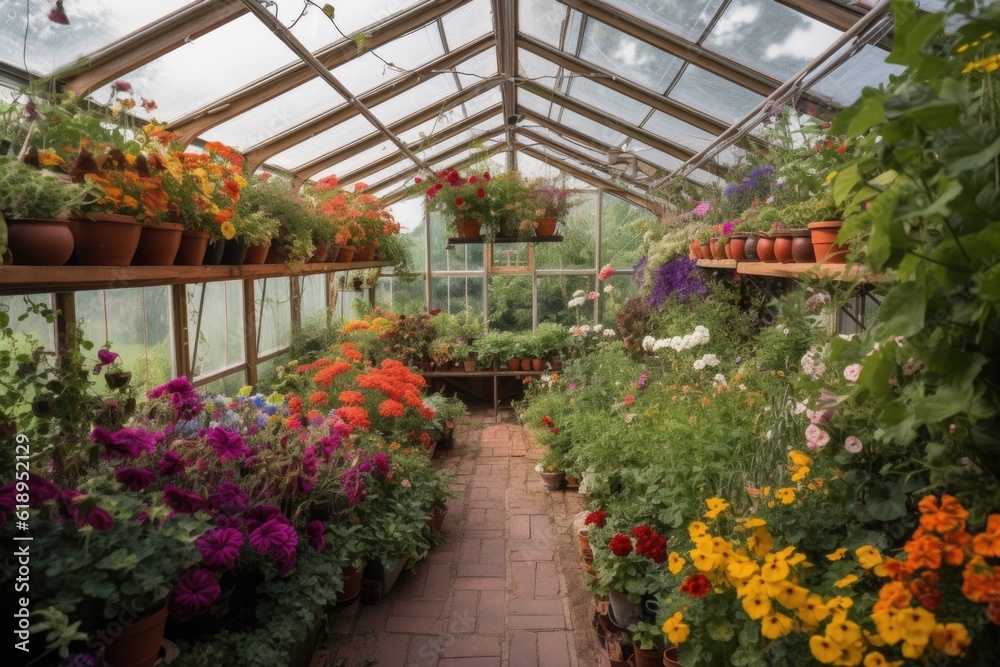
column 788, row 594
column 776, row 625
column 676, row 629
column 846, row 581
column 800, row 474
column 227, row 230
column 951, row 638
column 245, row 390
column 675, row 562
column 721, row 545
column 774, row 568
column 870, row 559
column 823, row 649
column 876, row 659
column 840, row 603
column 832, row 175
column 796, row 559
column 785, row 495
column 741, row 568
column 888, row 626
column 918, row 624
column 697, row 530
column 753, row 523
column 850, row 654
column 913, row 650
column 757, row 605
column 838, row 554
column 703, row 560
column 842, row 630
column 813, row 611
column 716, row 506
column 760, row 542
column 800, row 459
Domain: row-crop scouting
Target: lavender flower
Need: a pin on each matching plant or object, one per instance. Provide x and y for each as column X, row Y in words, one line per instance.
column 676, row 277
column 639, row 271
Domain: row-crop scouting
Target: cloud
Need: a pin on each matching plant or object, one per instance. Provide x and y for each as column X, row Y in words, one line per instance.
column 804, row 43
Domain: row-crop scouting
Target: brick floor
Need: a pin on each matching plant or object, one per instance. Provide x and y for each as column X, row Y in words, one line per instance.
column 495, row 594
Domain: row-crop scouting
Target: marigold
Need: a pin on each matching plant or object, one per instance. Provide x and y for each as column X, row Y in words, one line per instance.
column 391, row 408
column 924, row 551
column 295, row 405
column 319, row 398
column 893, row 595
column 350, row 397
column 980, row 582
column 987, row 543
column 326, row 375
column 944, row 517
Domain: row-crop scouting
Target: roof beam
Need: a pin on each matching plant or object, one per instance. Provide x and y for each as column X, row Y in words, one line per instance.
column 680, row 152
column 389, row 160
column 833, row 14
column 403, row 175
column 259, row 153
column 625, row 87
column 505, row 29
column 295, row 74
column 584, row 175
column 149, row 43
column 452, row 130
column 664, row 40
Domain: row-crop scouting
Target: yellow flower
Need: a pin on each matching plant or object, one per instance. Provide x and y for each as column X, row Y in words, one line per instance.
column 760, row 542
column 913, row 650
column 918, row 624
column 754, row 584
column 788, row 594
column 990, row 64
column 675, row 562
column 757, row 605
column 823, row 649
column 705, row 561
column 752, row 523
column 800, row 474
column 227, row 230
column 394, row 446
column 813, row 611
column 774, row 568
column 716, row 506
column 741, row 568
column 697, row 529
column 876, row 659
column 832, row 175
column 843, row 631
column 765, row 492
column 676, row 629
column 871, row 559
column 850, row 654
column 799, row 459
column 839, row 604
column 838, row 554
column 951, row 638
column 245, row 390
column 776, row 625
column 846, row 581
column 887, row 625
column 786, row 495
column 962, row 48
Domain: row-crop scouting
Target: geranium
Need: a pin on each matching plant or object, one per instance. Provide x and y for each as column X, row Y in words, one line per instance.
column 229, row 497
column 391, row 408
column 606, row 272
column 620, row 545
column 126, row 442
column 182, row 395
column 315, row 530
column 650, row 544
column 277, row 539
column 98, row 519
column 853, row 444
column 193, row 592
column 597, row 518
column 171, row 464
column 183, row 501
column 220, row 548
column 852, row 372
column 696, row 585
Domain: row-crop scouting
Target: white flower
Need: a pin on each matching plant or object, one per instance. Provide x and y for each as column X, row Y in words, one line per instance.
column 598, row 328
column 580, row 292
column 629, row 417
column 577, row 302
column 799, row 408
column 647, row 343
column 608, row 333
column 899, row 340
column 699, row 365
column 608, row 289
column 719, row 377
column 539, row 468
column 585, row 328
column 743, row 387
column 769, row 434
column 785, row 331
column 545, row 378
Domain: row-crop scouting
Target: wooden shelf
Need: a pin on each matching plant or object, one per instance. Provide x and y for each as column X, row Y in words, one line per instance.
column 44, row 279
column 455, row 240
column 777, row 270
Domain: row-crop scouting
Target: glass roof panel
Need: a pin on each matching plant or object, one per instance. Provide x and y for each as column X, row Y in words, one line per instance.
column 558, row 138
column 323, row 143
column 532, row 167
column 769, row 36
column 535, row 68
column 461, row 157
column 604, row 176
column 93, row 25
column 591, row 128
column 402, row 105
column 633, row 59
column 466, row 23
column 542, row 19
column 687, row 135
column 360, row 160
column 655, row 157
column 488, row 99
column 867, row 68
column 478, row 67
column 702, row 90
column 609, row 101
column 411, row 51
column 351, row 16
column 687, row 18
column 534, row 102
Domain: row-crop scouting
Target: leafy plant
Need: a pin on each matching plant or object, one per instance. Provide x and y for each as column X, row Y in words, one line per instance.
column 27, row 192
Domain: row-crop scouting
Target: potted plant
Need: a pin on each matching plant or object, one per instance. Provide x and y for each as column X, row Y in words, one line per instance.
column 498, row 345
column 32, row 201
column 553, row 341
column 276, row 197
column 464, row 202
column 551, row 202
column 627, row 566
column 512, row 208
column 256, row 230
column 466, row 353
column 758, row 221
column 550, row 470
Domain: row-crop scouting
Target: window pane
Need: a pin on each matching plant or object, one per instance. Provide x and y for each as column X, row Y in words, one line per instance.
column 542, row 19
column 322, row 144
column 457, row 295
column 714, row 95
column 687, row 18
column 313, row 296
column 273, row 302
column 867, row 68
column 608, row 101
column 218, row 343
column 621, row 240
column 418, row 97
column 554, row 294
column 266, row 370
column 466, row 23
column 510, row 303
column 510, row 256
column 34, row 326
column 532, row 167
column 401, row 296
column 227, row 386
column 579, row 245
column 634, row 59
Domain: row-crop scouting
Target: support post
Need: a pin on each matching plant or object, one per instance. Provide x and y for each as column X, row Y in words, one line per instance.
column 250, row 332
column 182, row 359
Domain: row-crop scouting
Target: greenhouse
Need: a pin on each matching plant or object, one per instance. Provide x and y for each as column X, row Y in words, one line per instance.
column 500, row 333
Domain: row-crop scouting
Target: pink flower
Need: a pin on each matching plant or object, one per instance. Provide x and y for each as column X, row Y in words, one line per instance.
column 852, row 444
column 819, row 416
column 702, row 208
column 229, row 497
column 171, row 464
column 125, row 442
column 227, row 444
column 606, row 272
column 630, row 399
column 315, row 530
column 593, row 295
column 136, row 479
column 105, row 357
column 121, row 86
column 816, row 438
column 220, row 548
column 97, row 519
column 180, row 500
column 193, row 591
column 58, row 14
column 852, row 372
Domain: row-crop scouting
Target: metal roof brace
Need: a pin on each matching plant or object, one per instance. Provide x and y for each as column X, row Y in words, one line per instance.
column 745, row 124
column 258, row 9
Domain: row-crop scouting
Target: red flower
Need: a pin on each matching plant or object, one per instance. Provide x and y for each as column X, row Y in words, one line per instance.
column 697, row 586
column 480, row 193
column 547, row 421
column 597, row 518
column 459, row 201
column 620, row 545
column 630, row 399
column 390, row 408
column 649, row 544
column 472, row 179
column 418, row 180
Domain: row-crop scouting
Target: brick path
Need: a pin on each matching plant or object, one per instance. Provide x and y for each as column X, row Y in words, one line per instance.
column 504, row 590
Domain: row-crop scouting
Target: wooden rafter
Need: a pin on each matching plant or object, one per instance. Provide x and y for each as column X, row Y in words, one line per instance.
column 257, row 154
column 281, row 81
column 833, row 14
column 505, row 34
column 372, row 140
column 149, row 43
column 655, row 141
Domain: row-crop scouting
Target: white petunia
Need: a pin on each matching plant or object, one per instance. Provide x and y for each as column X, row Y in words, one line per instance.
column 608, row 333
column 577, row 302
column 598, row 328
column 699, row 365
column 580, row 292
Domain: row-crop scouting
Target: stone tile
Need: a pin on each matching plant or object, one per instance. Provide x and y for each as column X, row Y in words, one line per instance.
column 428, row 608
column 481, row 569
column 523, row 650
column 555, row 648
column 424, row 652
column 438, row 583
column 535, row 622
column 490, row 619
column 392, row 651
column 520, row 527
column 482, row 533
column 493, row 551
column 523, row 579
column 546, row 580
column 465, row 606
column 493, row 661
column 472, row 646
column 479, row 584
column 532, row 555
column 415, row 625
column 532, row 607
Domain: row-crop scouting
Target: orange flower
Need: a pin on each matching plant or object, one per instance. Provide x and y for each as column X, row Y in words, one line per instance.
column 350, row 352
column 354, row 416
column 987, row 543
column 391, row 408
column 893, row 595
column 947, row 517
column 307, row 368
column 319, row 398
column 313, row 414
column 926, row 590
column 980, row 582
column 349, row 397
column 325, row 376
column 924, row 551
column 295, row 405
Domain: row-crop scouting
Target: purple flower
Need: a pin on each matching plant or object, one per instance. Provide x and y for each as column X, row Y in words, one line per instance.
column 676, row 277
column 381, row 463
column 126, row 442
column 702, row 209
column 275, row 538
column 227, row 444
column 224, row 521
column 105, row 357
column 639, row 271
column 97, row 519
column 40, row 490
column 728, row 227
column 261, row 514
column 230, row 498
column 183, row 501
column 315, row 530
column 66, row 502
column 183, row 397
column 643, row 378
column 220, row 548
column 192, row 592
column 171, row 464
column 136, row 479
column 353, row 485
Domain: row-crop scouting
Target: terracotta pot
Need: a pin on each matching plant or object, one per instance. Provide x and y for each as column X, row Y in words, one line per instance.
column 213, row 253
column 276, row 255
column 468, row 229
column 365, row 253
column 536, row 364
column 386, row 575
column 728, row 252
column 572, row 482
column 138, row 645
column 765, row 249
column 320, row 251
column 713, row 244
column 670, row 657
column 556, row 363
column 802, row 247
column 235, row 252
column 750, row 249
column 35, row 242
column 824, row 240
column 192, row 249
column 105, row 239
column 706, row 251
column 345, row 254
column 158, row 244
column 470, row 365
column 736, row 245
column 783, row 247
column 526, row 363
column 583, row 538
column 546, row 226
column 695, row 248
column 553, row 481
column 644, row 658
column 352, row 578
column 437, row 521
column 514, row 363
column 256, row 254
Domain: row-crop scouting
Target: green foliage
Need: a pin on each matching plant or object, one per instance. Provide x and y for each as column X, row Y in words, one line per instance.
column 27, row 192
column 276, row 198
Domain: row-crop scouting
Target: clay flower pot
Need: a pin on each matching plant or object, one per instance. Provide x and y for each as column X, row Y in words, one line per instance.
column 105, row 239
column 192, row 249
column 802, row 247
column 824, row 240
column 468, row 229
column 138, row 644
column 553, row 481
column 765, row 249
column 750, row 248
column 158, row 244
column 546, row 226
column 320, row 251
column 736, row 245
column 365, row 253
column 256, row 254
column 783, row 247
column 346, row 253
column 213, row 253
column 706, row 251
column 40, row 242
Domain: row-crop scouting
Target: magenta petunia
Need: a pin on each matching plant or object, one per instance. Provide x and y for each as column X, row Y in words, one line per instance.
column 228, row 445
column 97, row 519
column 278, row 540
column 220, row 548
column 230, row 498
column 105, row 357
column 261, row 514
column 40, row 489
column 171, row 464
column 180, row 500
column 315, row 530
column 126, row 442
column 136, row 479
column 66, row 502
column 192, row 592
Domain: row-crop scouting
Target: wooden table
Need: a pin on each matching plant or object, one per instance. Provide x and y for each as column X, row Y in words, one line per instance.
column 495, row 374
